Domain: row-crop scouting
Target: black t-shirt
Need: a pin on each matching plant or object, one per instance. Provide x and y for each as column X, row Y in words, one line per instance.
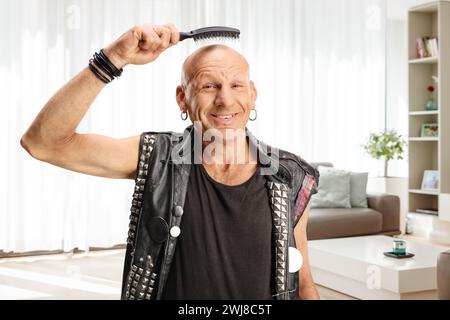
column 224, row 249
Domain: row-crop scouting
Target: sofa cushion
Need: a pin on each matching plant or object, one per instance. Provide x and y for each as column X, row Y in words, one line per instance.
column 326, row 223
column 333, row 190
column 358, row 185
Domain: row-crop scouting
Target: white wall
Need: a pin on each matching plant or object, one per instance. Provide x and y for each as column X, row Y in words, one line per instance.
column 396, row 88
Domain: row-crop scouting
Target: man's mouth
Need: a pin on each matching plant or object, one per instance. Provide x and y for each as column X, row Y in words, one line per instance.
column 224, row 118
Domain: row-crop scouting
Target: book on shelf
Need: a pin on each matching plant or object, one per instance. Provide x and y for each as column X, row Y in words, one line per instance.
column 427, row 47
column 427, row 211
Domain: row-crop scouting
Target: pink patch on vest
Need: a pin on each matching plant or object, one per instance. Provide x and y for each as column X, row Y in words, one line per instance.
column 303, row 195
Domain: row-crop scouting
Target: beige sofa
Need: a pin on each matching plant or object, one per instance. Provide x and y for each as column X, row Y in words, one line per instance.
column 381, row 217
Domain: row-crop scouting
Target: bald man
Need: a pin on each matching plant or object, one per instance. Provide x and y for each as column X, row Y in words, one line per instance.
column 206, row 227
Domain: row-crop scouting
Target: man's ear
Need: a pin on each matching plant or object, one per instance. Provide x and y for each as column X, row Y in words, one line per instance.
column 181, row 98
column 253, row 92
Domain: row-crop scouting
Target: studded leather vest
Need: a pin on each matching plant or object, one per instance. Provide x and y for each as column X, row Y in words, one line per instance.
column 157, row 210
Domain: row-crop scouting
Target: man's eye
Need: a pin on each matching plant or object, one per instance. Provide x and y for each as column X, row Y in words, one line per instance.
column 237, row 86
column 209, row 86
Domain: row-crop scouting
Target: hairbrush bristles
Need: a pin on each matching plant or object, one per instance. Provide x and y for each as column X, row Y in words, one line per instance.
column 211, row 33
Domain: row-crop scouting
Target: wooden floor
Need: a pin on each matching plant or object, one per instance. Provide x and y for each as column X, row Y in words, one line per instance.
column 94, row 275
column 88, row 276
column 329, row 294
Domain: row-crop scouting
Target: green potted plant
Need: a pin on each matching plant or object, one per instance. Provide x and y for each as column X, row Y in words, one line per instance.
column 387, row 145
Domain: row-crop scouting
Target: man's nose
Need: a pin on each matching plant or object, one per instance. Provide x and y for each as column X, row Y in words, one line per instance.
column 224, row 97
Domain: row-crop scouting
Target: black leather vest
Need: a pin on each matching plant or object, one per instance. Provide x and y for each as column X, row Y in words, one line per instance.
column 157, row 209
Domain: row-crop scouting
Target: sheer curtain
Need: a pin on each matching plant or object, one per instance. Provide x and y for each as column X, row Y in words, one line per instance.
column 319, row 67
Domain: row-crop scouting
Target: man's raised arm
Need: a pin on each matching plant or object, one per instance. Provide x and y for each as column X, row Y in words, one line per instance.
column 52, row 136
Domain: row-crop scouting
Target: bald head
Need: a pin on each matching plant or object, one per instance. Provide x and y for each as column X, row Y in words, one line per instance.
column 216, row 89
column 215, row 54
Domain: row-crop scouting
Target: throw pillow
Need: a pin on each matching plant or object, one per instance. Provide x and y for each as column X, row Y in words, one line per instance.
column 333, row 190
column 358, row 186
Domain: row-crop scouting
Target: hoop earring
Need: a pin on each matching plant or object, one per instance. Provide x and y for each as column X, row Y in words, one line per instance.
column 254, row 118
column 184, row 115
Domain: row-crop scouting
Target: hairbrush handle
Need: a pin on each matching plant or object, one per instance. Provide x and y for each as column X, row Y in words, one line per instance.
column 186, row 35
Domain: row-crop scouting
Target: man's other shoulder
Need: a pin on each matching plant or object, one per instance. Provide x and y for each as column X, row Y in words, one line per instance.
column 298, row 162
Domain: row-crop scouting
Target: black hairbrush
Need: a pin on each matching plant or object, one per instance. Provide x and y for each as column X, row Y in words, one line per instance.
column 211, row 32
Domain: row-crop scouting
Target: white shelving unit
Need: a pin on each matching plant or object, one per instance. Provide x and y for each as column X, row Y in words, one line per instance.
column 423, row 113
column 424, row 60
column 429, row 153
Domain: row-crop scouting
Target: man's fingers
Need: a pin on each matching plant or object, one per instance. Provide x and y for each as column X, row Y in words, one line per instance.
column 165, row 37
column 164, row 33
column 175, row 34
column 148, row 39
column 145, row 41
column 158, row 37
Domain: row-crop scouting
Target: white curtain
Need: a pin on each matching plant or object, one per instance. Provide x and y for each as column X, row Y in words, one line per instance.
column 319, row 67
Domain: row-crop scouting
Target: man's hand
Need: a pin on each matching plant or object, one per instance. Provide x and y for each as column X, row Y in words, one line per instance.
column 142, row 44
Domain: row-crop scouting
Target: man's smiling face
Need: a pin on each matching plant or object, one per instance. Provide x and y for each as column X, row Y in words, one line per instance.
column 216, row 89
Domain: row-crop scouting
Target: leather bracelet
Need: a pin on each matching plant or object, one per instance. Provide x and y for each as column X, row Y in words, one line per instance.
column 97, row 73
column 116, row 72
column 103, row 65
column 103, row 68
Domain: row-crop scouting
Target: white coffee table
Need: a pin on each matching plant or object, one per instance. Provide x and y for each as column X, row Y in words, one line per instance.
column 357, row 267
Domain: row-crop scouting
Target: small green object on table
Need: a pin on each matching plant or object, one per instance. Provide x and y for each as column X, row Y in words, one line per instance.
column 399, row 256
column 399, row 247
